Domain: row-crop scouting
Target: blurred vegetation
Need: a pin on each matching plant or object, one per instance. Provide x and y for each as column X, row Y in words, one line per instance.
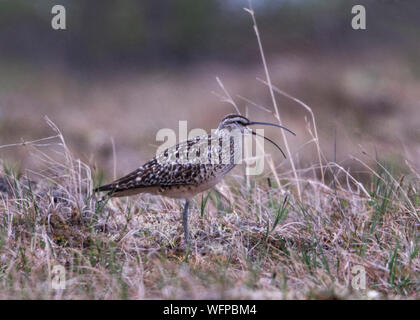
column 126, row 33
column 158, row 59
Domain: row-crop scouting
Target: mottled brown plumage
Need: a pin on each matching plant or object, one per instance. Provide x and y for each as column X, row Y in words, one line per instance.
column 189, row 167
column 172, row 170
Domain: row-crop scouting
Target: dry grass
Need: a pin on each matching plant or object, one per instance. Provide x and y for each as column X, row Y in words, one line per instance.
column 260, row 241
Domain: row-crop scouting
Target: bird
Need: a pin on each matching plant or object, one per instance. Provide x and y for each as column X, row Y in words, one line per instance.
column 190, row 167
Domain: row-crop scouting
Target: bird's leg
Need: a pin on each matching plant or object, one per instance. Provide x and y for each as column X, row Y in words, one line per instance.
column 185, row 221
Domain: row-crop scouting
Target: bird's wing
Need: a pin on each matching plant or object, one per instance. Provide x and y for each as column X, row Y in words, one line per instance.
column 177, row 165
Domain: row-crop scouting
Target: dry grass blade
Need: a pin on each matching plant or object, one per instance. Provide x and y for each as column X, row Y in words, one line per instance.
column 227, row 97
column 267, row 74
column 309, row 109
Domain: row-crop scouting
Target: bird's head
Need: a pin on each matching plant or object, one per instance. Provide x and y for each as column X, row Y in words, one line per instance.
column 236, row 121
column 233, row 121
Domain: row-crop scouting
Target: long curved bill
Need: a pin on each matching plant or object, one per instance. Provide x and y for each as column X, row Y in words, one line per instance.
column 271, row 124
column 256, row 134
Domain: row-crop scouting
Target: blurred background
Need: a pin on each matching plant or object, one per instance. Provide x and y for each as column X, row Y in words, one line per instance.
column 124, row 69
